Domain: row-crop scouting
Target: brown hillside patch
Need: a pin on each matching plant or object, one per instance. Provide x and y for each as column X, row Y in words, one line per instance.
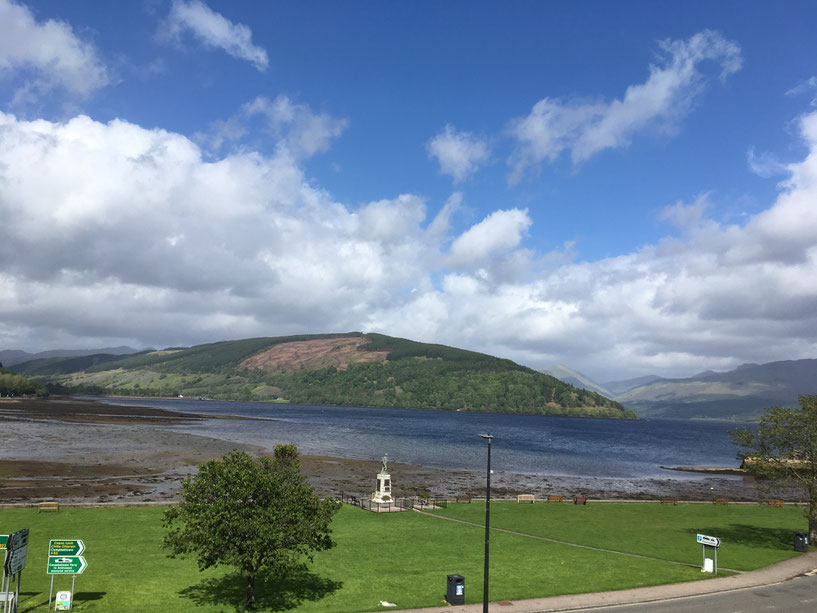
column 315, row 354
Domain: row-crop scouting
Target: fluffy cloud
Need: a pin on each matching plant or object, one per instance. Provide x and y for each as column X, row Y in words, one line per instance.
column 459, row 153
column 213, row 30
column 132, row 222
column 303, row 132
column 711, row 298
column 293, row 127
column 584, row 129
column 495, row 235
column 54, row 55
column 115, row 233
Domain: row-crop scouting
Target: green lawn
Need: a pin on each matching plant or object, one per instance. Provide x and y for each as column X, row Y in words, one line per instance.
column 404, row 558
column 753, row 536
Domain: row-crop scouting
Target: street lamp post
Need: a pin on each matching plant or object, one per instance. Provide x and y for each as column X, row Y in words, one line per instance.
column 487, row 437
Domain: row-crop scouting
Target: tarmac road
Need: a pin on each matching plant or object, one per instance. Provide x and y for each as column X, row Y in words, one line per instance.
column 797, row 595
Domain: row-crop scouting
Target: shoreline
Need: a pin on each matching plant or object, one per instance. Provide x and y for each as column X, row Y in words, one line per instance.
column 83, row 451
column 372, row 406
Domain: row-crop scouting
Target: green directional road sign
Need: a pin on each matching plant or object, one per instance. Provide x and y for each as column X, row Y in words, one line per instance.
column 16, row 560
column 3, row 540
column 17, row 539
column 65, row 547
column 66, row 565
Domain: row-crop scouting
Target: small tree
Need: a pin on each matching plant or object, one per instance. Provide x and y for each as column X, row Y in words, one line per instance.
column 254, row 514
column 785, row 448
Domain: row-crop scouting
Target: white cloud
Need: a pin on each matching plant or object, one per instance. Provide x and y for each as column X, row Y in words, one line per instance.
column 133, row 221
column 685, row 216
column 115, row 233
column 764, row 165
column 48, row 53
column 303, row 132
column 717, row 296
column 438, row 229
column 213, row 30
column 584, row 129
column 807, row 86
column 495, row 235
column 294, row 127
column 459, row 153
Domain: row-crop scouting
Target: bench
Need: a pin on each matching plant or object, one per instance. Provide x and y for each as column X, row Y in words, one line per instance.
column 722, row 501
column 555, row 498
column 776, row 503
column 50, row 505
column 580, row 500
column 463, row 499
column 525, row 498
column 669, row 501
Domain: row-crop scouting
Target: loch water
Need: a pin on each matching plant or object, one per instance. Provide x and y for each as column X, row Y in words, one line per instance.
column 563, row 446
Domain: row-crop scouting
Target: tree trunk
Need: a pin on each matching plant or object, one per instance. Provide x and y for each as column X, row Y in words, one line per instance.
column 251, row 590
column 811, row 514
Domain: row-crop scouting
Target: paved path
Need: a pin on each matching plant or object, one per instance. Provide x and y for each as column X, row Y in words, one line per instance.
column 789, row 569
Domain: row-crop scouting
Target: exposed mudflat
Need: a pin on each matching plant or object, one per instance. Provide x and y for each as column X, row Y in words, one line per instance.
column 76, row 450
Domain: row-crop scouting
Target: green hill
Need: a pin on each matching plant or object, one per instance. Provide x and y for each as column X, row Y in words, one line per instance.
column 339, row 369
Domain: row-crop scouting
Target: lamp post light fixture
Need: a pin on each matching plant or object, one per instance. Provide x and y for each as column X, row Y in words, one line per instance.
column 487, row 437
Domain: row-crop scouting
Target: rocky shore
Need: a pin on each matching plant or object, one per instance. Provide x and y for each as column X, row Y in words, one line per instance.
column 81, row 451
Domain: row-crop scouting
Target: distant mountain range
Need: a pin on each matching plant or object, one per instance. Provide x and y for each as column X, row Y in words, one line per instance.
column 576, row 379
column 338, row 369
column 9, row 357
column 742, row 393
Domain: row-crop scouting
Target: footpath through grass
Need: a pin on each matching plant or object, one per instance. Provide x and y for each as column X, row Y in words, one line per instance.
column 404, row 557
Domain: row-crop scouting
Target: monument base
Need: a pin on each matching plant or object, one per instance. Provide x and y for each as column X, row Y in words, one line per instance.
column 383, row 493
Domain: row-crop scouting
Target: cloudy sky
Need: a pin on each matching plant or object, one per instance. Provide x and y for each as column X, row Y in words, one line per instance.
column 624, row 188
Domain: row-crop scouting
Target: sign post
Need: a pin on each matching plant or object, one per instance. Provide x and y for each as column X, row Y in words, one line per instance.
column 3, row 540
column 15, row 562
column 714, row 543
column 65, row 558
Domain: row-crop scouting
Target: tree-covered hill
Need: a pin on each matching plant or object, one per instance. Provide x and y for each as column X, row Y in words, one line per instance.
column 340, row 369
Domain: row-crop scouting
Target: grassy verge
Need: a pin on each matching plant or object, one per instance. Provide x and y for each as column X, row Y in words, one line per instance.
column 404, row 558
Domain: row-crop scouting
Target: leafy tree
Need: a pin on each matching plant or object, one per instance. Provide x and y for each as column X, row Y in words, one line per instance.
column 12, row 384
column 785, row 448
column 258, row 515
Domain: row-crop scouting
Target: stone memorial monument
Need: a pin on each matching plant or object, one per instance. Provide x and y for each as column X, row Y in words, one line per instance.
column 383, row 493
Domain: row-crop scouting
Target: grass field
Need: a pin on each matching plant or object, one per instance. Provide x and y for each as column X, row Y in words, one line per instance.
column 404, row 558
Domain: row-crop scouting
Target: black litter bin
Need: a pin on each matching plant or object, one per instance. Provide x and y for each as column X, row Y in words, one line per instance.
column 801, row 541
column 455, row 594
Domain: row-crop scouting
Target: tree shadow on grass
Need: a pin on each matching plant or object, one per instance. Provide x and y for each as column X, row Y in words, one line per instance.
column 271, row 593
column 751, row 536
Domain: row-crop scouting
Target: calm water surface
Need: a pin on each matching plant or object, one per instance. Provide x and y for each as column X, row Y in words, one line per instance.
column 522, row 444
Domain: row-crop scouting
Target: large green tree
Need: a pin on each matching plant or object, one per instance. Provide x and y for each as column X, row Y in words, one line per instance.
column 258, row 515
column 12, row 384
column 784, row 447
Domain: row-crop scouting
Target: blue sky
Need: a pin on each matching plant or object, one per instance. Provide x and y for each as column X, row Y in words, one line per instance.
column 625, row 188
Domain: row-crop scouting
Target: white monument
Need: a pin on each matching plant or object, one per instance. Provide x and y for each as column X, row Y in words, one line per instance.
column 383, row 493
